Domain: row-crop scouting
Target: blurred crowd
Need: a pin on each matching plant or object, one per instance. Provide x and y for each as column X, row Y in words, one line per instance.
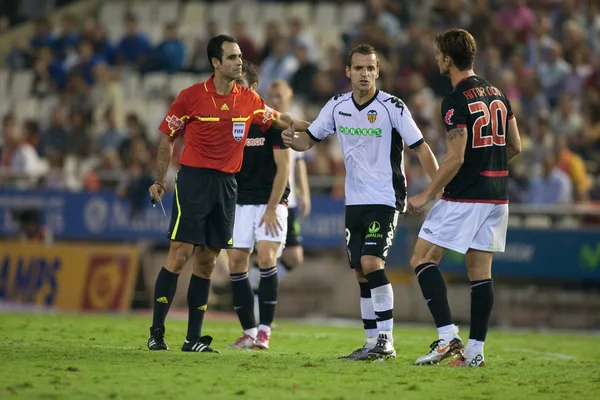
column 544, row 55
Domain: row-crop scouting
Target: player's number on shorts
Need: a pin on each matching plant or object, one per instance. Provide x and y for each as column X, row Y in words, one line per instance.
column 496, row 114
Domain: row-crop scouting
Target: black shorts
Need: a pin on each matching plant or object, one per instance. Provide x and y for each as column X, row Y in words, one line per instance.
column 294, row 231
column 203, row 208
column 370, row 231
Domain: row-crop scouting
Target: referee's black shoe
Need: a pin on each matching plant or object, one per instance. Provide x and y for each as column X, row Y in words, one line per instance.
column 156, row 341
column 201, row 346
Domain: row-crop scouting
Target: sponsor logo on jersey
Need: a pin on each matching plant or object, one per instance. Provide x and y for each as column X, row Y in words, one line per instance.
column 224, row 107
column 372, row 116
column 374, row 228
column 360, row 131
column 448, row 117
column 343, row 114
column 174, row 123
column 238, row 130
column 253, row 142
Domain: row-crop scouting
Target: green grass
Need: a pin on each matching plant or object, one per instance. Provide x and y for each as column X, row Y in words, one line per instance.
column 64, row 356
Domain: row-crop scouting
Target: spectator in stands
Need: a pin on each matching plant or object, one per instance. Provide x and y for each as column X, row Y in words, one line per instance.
column 198, row 62
column 31, row 131
column 111, row 137
column 79, row 140
column 42, row 35
column 170, row 52
column 376, row 11
column 272, row 35
column 106, row 174
column 480, row 24
column 565, row 120
column 49, row 74
column 107, row 94
column 88, row 59
column 58, row 177
column 95, row 33
column 574, row 166
column 533, row 101
column 279, row 65
column 19, row 56
column 553, row 186
column 302, row 79
column 19, row 161
column 65, row 43
column 517, row 17
column 134, row 186
column 246, row 42
column 134, row 47
column 31, row 228
column 134, row 130
column 553, row 74
column 540, row 44
column 54, row 138
column 298, row 37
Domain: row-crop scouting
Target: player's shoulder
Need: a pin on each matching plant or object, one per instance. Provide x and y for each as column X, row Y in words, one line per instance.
column 389, row 100
column 340, row 98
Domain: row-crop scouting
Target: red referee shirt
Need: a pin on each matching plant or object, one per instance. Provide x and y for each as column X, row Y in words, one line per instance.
column 215, row 125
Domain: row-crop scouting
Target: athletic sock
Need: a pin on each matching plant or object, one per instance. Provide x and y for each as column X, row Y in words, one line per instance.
column 368, row 315
column 434, row 290
column 383, row 302
column 164, row 291
column 482, row 302
column 267, row 295
column 197, row 298
column 243, row 300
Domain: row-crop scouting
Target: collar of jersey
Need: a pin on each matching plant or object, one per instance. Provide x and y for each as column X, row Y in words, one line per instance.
column 209, row 86
column 361, row 107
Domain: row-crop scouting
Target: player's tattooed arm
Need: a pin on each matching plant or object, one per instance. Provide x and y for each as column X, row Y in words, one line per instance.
column 454, row 133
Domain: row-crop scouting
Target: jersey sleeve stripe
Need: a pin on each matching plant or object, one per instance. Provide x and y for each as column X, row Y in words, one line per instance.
column 460, row 126
column 417, row 143
column 310, row 135
column 511, row 117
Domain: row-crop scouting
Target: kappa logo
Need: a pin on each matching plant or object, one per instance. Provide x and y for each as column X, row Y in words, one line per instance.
column 174, row 123
column 372, row 116
column 448, row 116
column 344, row 114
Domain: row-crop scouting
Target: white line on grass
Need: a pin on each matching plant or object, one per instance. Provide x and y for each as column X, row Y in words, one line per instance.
column 559, row 356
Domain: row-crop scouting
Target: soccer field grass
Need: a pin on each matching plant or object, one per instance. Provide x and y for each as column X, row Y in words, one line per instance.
column 63, row 356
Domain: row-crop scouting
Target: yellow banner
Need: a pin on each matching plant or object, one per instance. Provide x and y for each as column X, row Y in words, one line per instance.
column 69, row 276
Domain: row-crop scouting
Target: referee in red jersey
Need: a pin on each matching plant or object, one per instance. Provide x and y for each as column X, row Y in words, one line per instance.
column 215, row 116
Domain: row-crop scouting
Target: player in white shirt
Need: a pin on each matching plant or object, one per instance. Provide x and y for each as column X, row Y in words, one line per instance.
column 372, row 127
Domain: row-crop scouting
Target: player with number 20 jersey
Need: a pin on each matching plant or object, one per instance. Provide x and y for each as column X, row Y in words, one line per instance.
column 472, row 216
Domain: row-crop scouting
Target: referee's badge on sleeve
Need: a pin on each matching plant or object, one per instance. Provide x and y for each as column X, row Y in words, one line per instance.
column 238, row 130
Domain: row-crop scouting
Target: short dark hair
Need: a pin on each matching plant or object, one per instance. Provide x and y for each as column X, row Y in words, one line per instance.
column 459, row 45
column 215, row 47
column 250, row 70
column 364, row 49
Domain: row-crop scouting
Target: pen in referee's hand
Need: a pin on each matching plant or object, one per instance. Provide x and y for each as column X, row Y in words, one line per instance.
column 161, row 206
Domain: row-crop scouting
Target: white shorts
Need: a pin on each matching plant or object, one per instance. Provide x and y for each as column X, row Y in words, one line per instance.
column 246, row 230
column 462, row 226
